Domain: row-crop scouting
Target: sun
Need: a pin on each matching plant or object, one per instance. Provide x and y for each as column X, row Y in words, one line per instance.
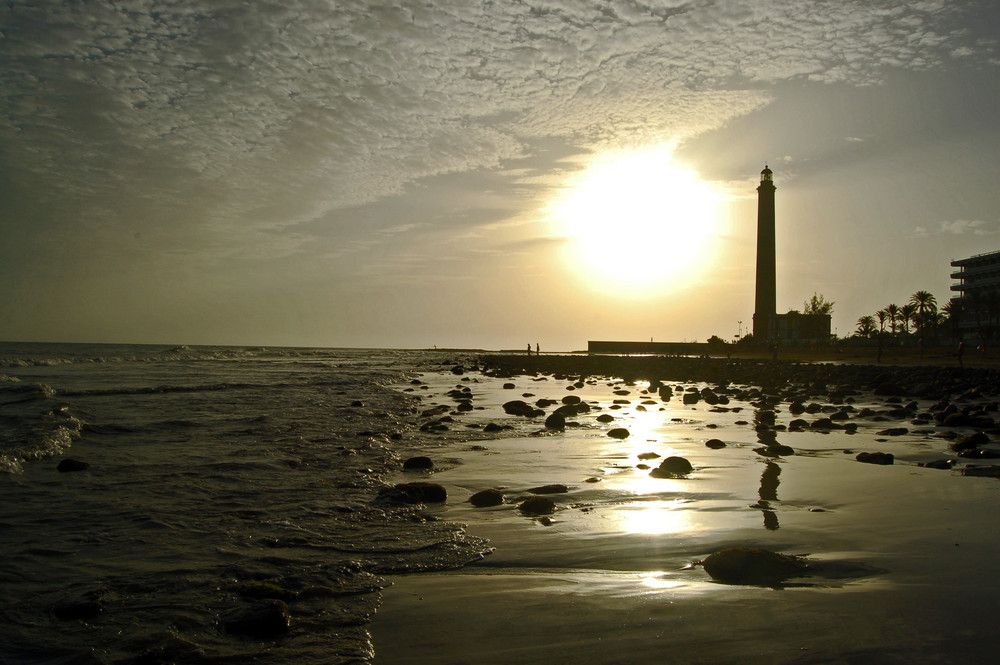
column 637, row 221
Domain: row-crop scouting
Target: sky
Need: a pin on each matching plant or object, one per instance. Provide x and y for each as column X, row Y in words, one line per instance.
column 483, row 174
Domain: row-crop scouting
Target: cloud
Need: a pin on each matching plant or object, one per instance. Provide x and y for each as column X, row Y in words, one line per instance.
column 974, row 227
column 205, row 125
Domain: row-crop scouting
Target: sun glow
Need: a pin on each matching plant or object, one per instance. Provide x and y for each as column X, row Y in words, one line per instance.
column 638, row 221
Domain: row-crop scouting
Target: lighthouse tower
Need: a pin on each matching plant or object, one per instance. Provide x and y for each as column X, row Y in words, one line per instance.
column 765, row 300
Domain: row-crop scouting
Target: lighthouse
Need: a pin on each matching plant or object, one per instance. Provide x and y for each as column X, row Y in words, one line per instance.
column 765, row 300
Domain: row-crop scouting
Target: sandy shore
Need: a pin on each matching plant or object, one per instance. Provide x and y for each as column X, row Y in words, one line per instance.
column 901, row 556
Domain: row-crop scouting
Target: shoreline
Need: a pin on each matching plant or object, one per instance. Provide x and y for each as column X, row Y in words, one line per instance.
column 610, row 571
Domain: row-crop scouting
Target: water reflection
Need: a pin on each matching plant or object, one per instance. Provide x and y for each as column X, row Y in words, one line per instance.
column 767, row 435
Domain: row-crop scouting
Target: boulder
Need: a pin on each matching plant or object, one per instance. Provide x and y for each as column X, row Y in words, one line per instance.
column 521, row 408
column 605, row 418
column 755, row 567
column 266, row 619
column 556, row 421
column 413, row 493
column 486, row 498
column 876, row 458
column 571, row 399
column 69, row 464
column 537, row 505
column 715, row 444
column 618, row 433
column 549, row 489
column 419, row 463
column 672, row 467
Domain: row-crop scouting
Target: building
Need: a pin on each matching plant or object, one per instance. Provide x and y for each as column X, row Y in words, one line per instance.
column 765, row 298
column 769, row 327
column 976, row 308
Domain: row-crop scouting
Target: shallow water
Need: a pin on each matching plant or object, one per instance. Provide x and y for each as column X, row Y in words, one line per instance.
column 211, row 469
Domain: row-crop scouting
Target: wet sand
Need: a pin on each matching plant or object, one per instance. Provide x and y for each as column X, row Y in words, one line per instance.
column 902, row 554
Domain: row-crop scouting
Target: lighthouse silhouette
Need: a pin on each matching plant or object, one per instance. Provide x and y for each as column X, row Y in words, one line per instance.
column 765, row 305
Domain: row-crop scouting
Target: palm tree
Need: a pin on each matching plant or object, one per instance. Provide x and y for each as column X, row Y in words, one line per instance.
column 926, row 305
column 907, row 313
column 866, row 326
column 892, row 312
column 882, row 316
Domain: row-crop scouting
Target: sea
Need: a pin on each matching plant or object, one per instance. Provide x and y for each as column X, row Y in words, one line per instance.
column 216, row 479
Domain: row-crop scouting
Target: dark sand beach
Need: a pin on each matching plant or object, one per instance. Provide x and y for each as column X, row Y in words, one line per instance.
column 896, row 559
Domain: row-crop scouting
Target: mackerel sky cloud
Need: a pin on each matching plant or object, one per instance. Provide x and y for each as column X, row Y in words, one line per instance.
column 374, row 173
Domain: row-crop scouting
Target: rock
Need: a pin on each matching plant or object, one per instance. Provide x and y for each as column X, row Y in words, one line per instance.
column 618, row 433
column 87, row 607
column 894, row 431
column 822, row 423
column 69, row 464
column 648, row 455
column 969, row 442
column 419, row 463
column 715, row 444
column 889, row 389
column 605, row 418
column 750, row 566
column 798, row 423
column 939, row 464
column 571, row 399
column 520, row 408
column 509, row 386
column 486, row 498
column 876, row 458
column 465, row 405
column 556, row 421
column 796, row 408
column 982, row 471
column 267, row 619
column 691, row 398
column 672, row 467
column 413, row 493
column 549, row 489
column 537, row 505
column 457, row 370
column 492, row 427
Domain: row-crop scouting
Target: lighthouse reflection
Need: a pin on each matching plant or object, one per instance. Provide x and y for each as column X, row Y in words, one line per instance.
column 767, row 435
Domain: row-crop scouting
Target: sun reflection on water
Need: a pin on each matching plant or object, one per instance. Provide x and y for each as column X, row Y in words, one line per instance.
column 656, row 517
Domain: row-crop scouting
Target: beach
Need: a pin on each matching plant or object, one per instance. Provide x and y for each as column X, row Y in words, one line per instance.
column 897, row 557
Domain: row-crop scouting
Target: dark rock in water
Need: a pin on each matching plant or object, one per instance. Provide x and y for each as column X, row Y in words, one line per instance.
column 571, row 399
column 648, row 455
column 556, row 421
column 509, row 386
column 465, row 406
column 492, row 427
column 419, row 463
column 979, row 453
column 672, row 467
column 970, row 442
column 965, row 420
column 715, row 444
column 822, row 423
column 982, row 471
column 267, row 619
column 618, row 433
column 412, row 493
column 894, row 431
column 876, row 458
column 458, row 370
column 486, row 498
column 549, row 489
column 543, row 402
column 939, row 464
column 79, row 609
column 72, row 465
column 520, row 408
column 889, row 389
column 798, row 423
column 691, row 398
column 537, row 505
column 755, row 567
column 605, row 418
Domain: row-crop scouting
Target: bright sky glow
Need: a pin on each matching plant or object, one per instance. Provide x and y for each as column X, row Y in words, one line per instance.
column 637, row 222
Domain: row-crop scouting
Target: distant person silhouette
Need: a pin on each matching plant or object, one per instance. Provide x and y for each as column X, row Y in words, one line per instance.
column 538, row 351
column 960, row 351
column 529, row 348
